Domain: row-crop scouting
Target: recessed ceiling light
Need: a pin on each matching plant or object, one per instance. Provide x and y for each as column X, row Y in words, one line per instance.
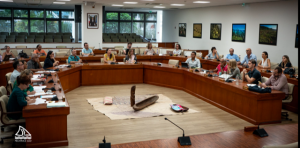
column 177, row 4
column 63, row 0
column 159, row 7
column 59, row 2
column 202, row 2
column 148, row 0
column 130, row 2
column 6, row 1
column 117, row 5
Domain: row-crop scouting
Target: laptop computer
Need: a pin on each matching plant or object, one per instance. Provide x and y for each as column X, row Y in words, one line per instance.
column 184, row 65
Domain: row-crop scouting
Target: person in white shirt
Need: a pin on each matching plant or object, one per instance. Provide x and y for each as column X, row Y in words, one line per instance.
column 193, row 62
column 149, row 50
column 265, row 61
column 177, row 51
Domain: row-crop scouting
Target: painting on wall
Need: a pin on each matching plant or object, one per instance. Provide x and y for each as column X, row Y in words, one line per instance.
column 215, row 31
column 296, row 42
column 182, row 29
column 268, row 34
column 197, row 30
column 92, row 21
column 238, row 32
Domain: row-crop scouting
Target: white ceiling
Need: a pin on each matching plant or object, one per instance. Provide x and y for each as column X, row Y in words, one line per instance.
column 142, row 5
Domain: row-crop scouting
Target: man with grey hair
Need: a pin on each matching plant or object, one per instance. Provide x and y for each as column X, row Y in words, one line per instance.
column 34, row 64
column 232, row 56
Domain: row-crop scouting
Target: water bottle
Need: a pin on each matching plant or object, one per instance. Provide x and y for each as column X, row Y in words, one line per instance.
column 237, row 80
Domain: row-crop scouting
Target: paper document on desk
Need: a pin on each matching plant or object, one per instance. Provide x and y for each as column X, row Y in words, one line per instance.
column 11, row 59
column 121, row 63
column 225, row 76
column 45, row 71
column 36, row 76
column 48, row 96
column 55, row 104
column 251, row 85
column 38, row 101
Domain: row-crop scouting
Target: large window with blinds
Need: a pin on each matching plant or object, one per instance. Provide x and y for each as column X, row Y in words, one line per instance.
column 141, row 23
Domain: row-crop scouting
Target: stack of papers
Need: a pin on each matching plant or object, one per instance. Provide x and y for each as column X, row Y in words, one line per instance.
column 38, row 101
column 58, row 104
column 62, row 66
column 45, row 71
column 48, row 96
column 225, row 76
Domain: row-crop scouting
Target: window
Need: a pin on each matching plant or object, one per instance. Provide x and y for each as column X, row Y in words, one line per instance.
column 138, row 16
column 37, row 26
column 138, row 28
column 125, row 16
column 52, row 26
column 5, row 26
column 67, row 26
column 21, row 13
column 111, row 16
column 5, row 13
column 20, row 25
column 67, row 14
column 111, row 27
column 150, row 30
column 52, row 14
column 36, row 13
column 125, row 27
column 151, row 17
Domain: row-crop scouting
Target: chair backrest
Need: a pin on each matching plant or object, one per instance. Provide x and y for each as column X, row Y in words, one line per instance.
column 5, row 33
column 30, row 40
column 66, row 40
column 3, row 103
column 3, row 91
column 21, row 46
column 61, row 46
column 57, row 40
column 11, row 36
column 67, row 51
column 48, row 36
column 11, row 40
column 61, row 54
column 273, row 65
column 39, row 36
column 290, row 95
column 39, row 40
column 3, row 36
column 21, row 40
column 28, row 51
column 13, row 33
column 296, row 69
column 42, row 64
column 2, row 40
column 49, row 40
column 67, row 61
column 80, row 53
column 173, row 62
column 14, row 51
column 102, row 60
column 264, row 79
column 142, row 50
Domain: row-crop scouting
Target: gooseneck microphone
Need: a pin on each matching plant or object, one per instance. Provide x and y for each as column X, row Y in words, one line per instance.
column 182, row 140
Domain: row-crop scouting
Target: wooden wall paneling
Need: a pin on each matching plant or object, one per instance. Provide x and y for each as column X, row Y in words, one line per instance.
column 5, row 67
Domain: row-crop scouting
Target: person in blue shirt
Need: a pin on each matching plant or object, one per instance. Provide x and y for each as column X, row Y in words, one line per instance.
column 74, row 58
column 232, row 56
column 249, row 56
column 86, row 51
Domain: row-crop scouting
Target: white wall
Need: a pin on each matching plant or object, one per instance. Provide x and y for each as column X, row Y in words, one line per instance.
column 283, row 13
column 159, row 26
column 92, row 36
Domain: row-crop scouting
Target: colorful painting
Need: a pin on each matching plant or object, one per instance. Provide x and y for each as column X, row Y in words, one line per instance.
column 296, row 42
column 92, row 21
column 197, row 30
column 238, row 32
column 215, row 31
column 182, row 29
column 268, row 34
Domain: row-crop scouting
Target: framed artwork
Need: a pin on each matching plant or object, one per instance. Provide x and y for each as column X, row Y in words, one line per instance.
column 197, row 30
column 182, row 29
column 296, row 42
column 238, row 32
column 215, row 31
column 268, row 34
column 93, row 21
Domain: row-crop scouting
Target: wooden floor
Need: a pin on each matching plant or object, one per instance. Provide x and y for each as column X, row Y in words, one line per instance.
column 86, row 127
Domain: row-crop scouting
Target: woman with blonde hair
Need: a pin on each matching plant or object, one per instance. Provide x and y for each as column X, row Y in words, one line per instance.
column 286, row 63
column 149, row 50
column 29, row 90
column 233, row 69
column 130, row 58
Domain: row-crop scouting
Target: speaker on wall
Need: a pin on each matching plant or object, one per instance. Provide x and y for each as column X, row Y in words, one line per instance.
column 103, row 14
column 77, row 13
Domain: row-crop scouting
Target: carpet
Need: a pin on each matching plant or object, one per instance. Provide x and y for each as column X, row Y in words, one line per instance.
column 121, row 109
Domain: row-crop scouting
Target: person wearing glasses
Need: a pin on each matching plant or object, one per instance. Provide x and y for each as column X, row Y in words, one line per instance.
column 34, row 64
column 18, row 68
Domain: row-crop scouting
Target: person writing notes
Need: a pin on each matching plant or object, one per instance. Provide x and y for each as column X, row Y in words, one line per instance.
column 7, row 53
column 233, row 69
column 193, row 62
column 86, row 51
column 39, row 51
column 177, row 51
column 29, row 90
column 249, row 56
column 231, row 55
column 265, row 62
column 17, row 99
column 285, row 63
column 149, row 50
column 222, row 67
column 109, row 57
column 50, row 61
column 74, row 58
column 130, row 58
column 213, row 55
column 253, row 76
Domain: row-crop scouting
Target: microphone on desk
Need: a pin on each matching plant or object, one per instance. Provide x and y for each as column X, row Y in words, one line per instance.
column 104, row 144
column 260, row 132
column 182, row 140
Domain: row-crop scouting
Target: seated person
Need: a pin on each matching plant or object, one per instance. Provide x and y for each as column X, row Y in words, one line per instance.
column 149, row 50
column 193, row 62
column 17, row 99
column 29, row 90
column 233, row 69
column 18, row 68
column 130, row 58
column 277, row 81
column 39, row 51
column 7, row 54
column 222, row 67
column 285, row 63
column 213, row 55
column 109, row 57
column 50, row 61
column 34, row 64
column 86, row 51
column 265, row 62
column 249, row 56
column 125, row 51
column 177, row 51
column 74, row 58
column 253, row 76
column 232, row 56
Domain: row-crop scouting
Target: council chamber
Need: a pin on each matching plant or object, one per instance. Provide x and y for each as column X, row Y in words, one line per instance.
column 135, row 74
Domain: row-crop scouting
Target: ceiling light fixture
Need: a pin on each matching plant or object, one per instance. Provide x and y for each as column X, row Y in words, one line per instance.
column 177, row 4
column 63, row 0
column 148, row 0
column 202, row 2
column 117, row 5
column 130, row 2
column 59, row 2
column 159, row 7
column 6, row 1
